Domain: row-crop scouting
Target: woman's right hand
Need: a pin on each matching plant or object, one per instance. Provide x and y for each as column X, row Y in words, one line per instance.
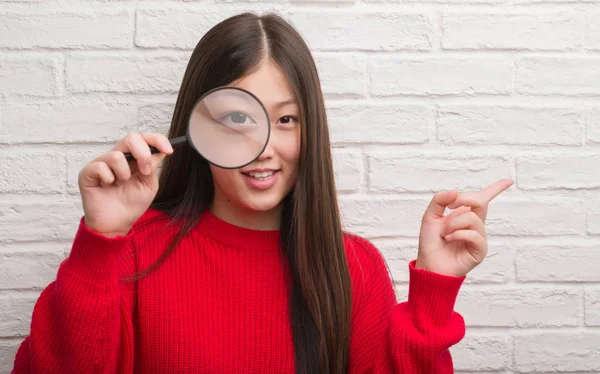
column 115, row 192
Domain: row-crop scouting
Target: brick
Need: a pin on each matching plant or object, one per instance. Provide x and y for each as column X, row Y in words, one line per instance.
column 348, row 168
column 482, row 352
column 29, row 76
column 557, row 75
column 38, row 220
column 535, row 217
column 401, row 293
column 531, row 31
column 342, row 74
column 386, row 216
column 8, row 351
column 73, row 29
column 16, row 308
column 344, row 30
column 155, row 116
column 380, row 123
column 397, row 255
column 125, row 73
column 313, row 1
column 436, row 1
column 182, row 27
column 558, row 171
column 592, row 31
column 592, row 307
column 519, row 307
column 593, row 216
column 275, row 2
column 174, row 28
column 520, row 2
column 392, row 76
column 373, row 216
column 557, row 351
column 388, row 171
column 68, row 120
column 76, row 160
column 508, row 125
column 546, row 262
column 35, row 247
column 31, row 172
column 498, row 266
column 592, row 124
column 28, row 270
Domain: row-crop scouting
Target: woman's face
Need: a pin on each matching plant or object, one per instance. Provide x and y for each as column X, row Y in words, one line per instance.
column 261, row 186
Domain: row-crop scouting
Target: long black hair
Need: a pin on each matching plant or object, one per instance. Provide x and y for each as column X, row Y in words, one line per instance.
column 312, row 238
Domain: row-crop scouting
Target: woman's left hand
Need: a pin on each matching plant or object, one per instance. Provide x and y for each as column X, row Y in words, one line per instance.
column 455, row 244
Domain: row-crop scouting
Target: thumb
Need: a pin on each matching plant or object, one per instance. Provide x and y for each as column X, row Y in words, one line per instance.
column 438, row 204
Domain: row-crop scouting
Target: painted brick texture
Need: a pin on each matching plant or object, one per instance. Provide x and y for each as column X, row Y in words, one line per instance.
column 422, row 95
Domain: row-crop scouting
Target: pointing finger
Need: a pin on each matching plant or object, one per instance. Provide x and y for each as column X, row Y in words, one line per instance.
column 490, row 192
column 479, row 201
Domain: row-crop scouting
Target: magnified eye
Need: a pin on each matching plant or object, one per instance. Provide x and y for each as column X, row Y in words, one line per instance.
column 237, row 118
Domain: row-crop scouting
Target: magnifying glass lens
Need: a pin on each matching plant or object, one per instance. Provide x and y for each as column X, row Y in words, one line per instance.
column 229, row 127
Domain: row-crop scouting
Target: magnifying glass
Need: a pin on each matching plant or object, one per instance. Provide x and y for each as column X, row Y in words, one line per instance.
column 229, row 126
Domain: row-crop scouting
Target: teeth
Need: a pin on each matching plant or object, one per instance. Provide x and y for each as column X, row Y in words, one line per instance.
column 262, row 175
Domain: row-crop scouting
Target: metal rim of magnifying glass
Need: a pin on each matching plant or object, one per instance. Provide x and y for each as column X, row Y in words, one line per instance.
column 191, row 143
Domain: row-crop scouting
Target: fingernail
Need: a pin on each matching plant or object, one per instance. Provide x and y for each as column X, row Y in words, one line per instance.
column 147, row 169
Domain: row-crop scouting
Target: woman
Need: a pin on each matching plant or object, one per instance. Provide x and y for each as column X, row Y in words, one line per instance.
column 210, row 270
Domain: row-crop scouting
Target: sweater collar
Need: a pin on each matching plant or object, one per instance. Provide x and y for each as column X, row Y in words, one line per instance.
column 237, row 236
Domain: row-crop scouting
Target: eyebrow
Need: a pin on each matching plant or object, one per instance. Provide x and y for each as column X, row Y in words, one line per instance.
column 286, row 102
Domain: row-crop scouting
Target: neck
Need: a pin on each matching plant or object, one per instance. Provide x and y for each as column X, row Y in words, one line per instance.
column 246, row 218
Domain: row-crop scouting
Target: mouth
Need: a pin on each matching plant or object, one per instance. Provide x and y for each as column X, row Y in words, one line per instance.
column 261, row 175
column 262, row 179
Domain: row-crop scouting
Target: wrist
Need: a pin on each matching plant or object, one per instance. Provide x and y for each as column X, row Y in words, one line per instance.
column 421, row 263
column 106, row 233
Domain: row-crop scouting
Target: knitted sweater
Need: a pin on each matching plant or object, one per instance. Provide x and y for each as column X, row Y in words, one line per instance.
column 218, row 304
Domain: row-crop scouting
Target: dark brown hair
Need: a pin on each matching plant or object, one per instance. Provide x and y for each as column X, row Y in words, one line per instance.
column 312, row 239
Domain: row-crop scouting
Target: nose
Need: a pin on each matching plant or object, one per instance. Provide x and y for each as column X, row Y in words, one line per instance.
column 269, row 151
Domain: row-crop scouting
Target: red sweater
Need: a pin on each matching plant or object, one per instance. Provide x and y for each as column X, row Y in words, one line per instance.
column 218, row 304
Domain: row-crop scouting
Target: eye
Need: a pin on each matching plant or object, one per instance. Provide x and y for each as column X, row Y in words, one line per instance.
column 236, row 118
column 287, row 120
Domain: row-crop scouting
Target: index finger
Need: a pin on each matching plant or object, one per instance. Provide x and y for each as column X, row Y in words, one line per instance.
column 157, row 140
column 479, row 201
column 490, row 192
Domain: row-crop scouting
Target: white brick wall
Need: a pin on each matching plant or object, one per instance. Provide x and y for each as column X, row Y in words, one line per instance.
column 423, row 95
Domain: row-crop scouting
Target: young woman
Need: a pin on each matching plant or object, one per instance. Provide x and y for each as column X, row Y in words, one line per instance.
column 211, row 270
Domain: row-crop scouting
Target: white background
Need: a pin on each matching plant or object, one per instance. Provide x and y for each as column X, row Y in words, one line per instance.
column 422, row 96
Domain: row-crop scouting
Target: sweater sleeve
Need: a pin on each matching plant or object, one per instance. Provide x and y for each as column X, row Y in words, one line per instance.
column 81, row 322
column 412, row 337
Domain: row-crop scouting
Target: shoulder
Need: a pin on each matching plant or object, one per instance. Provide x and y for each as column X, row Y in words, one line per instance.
column 154, row 226
column 361, row 251
column 365, row 260
column 151, row 235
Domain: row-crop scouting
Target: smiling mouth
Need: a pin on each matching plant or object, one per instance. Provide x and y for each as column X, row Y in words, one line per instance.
column 262, row 175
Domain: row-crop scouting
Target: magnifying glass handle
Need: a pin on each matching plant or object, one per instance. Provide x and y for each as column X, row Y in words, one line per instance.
column 175, row 143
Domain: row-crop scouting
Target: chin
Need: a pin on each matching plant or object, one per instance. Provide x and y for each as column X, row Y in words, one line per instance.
column 262, row 203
